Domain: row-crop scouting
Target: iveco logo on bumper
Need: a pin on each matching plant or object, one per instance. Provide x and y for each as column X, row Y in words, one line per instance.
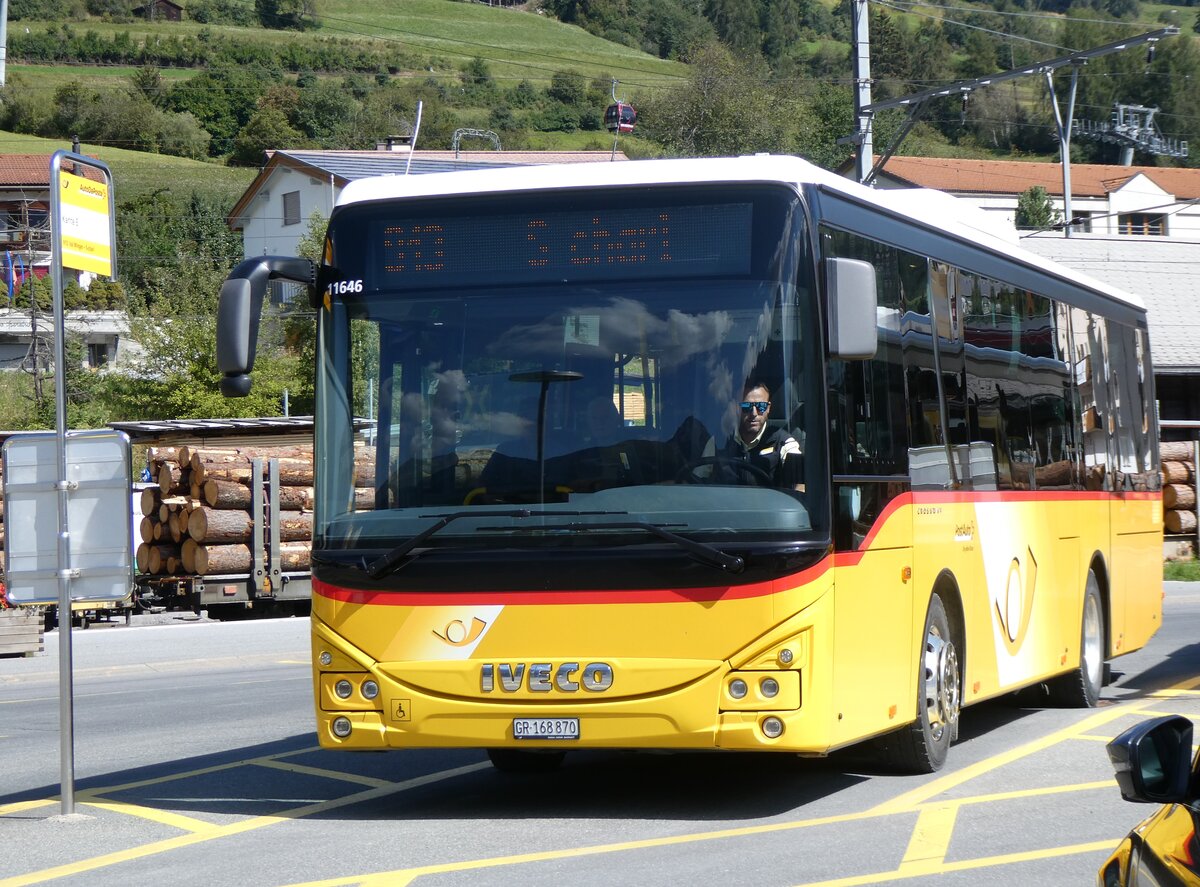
column 542, row 677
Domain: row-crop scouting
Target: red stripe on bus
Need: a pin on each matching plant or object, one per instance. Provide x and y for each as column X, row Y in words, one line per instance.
column 561, row 596
column 946, row 497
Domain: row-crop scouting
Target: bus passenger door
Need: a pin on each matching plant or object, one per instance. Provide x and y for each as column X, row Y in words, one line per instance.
column 873, row 639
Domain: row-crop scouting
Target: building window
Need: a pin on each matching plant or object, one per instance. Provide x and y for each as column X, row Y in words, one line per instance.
column 291, row 208
column 97, row 354
column 11, row 229
column 1142, row 223
column 1081, row 222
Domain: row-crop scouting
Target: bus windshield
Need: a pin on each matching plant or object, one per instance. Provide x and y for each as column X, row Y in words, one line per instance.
column 585, row 401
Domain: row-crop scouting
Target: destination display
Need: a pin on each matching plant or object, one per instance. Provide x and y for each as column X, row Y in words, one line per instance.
column 576, row 245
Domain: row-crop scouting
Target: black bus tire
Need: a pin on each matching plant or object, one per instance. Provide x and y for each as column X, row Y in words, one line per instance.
column 1081, row 687
column 922, row 746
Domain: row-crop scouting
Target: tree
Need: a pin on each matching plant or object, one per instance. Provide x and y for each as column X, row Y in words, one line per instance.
column 149, row 83
column 287, row 15
column 222, row 98
column 268, row 129
column 568, row 87
column 1036, row 210
column 724, row 108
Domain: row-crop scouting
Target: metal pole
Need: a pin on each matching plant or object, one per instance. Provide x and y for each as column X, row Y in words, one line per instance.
column 862, row 90
column 412, row 146
column 1064, row 140
column 66, row 696
column 3, row 38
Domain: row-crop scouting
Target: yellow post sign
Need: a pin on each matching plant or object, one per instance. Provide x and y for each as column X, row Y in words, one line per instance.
column 86, row 225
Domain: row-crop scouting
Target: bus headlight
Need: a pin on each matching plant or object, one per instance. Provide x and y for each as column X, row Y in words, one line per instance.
column 341, row 727
column 326, row 658
column 772, row 728
column 370, row 689
column 769, row 687
column 738, row 688
column 343, row 688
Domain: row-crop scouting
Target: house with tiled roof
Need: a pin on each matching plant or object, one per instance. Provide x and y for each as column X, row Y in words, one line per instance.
column 25, row 253
column 24, row 216
column 1146, row 201
column 274, row 211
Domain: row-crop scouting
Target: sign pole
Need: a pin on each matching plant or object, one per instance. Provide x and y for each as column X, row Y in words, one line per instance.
column 87, row 244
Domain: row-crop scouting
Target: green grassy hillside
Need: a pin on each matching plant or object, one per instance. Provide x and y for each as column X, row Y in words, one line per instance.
column 136, row 173
column 438, row 35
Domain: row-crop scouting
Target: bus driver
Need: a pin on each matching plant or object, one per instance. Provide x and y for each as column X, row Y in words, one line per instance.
column 776, row 455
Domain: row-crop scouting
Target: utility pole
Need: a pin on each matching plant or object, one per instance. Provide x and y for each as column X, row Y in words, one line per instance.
column 861, row 38
column 919, row 101
column 3, row 38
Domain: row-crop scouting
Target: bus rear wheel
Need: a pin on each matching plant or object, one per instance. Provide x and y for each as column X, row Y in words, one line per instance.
column 922, row 746
column 512, row 760
column 1081, row 688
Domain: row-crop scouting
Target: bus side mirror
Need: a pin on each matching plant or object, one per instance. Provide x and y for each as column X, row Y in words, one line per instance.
column 850, row 284
column 238, row 313
column 1153, row 760
column 236, row 335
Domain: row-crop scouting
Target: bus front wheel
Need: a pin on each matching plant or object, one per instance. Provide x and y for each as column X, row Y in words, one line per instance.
column 1081, row 688
column 922, row 746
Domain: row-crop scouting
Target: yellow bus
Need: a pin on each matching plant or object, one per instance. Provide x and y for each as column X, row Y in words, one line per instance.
column 707, row 454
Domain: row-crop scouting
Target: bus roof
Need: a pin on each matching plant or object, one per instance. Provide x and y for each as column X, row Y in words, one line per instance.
column 917, row 206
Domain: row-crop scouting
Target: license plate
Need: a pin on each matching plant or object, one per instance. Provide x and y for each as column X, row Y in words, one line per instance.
column 545, row 728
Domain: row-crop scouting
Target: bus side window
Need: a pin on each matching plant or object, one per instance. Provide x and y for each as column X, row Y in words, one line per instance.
column 1130, row 435
column 1090, row 362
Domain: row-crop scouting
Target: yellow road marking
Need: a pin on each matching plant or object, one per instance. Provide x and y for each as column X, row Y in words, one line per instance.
column 931, row 837
column 22, row 806
column 965, row 865
column 935, row 787
column 164, row 817
column 323, row 773
column 922, row 859
column 400, row 877
column 1017, row 794
column 237, row 828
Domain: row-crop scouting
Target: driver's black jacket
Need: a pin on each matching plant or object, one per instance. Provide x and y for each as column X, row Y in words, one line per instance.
column 777, row 455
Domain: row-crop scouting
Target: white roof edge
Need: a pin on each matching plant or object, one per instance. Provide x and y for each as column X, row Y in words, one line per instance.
column 753, row 168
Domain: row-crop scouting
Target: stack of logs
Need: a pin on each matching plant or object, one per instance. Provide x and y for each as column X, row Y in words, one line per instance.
column 1179, row 487
column 199, row 519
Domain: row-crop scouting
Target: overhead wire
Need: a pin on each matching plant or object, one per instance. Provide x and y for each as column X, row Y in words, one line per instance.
column 1004, row 34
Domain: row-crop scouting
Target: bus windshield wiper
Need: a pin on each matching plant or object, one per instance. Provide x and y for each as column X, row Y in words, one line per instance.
column 701, row 551
column 392, row 559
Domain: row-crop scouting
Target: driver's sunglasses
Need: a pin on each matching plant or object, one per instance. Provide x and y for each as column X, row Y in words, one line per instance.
column 760, row 405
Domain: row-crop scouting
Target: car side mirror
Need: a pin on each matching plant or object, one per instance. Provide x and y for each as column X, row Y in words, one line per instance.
column 851, row 303
column 1153, row 760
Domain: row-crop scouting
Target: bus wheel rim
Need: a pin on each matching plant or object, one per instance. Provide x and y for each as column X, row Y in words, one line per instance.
column 1093, row 659
column 941, row 684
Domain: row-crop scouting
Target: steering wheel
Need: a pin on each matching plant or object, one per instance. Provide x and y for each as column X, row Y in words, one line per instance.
column 687, row 474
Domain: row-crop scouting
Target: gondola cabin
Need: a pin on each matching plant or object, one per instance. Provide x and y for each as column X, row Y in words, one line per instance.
column 620, row 117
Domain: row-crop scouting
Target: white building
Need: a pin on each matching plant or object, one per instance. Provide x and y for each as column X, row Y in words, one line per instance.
column 105, row 335
column 1119, row 201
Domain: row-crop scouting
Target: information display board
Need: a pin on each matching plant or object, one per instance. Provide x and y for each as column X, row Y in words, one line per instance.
column 98, row 523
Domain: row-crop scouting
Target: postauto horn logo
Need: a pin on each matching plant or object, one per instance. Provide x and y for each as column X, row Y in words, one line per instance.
column 545, row 677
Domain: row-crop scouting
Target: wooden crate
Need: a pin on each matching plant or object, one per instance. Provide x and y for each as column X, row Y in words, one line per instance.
column 21, row 631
